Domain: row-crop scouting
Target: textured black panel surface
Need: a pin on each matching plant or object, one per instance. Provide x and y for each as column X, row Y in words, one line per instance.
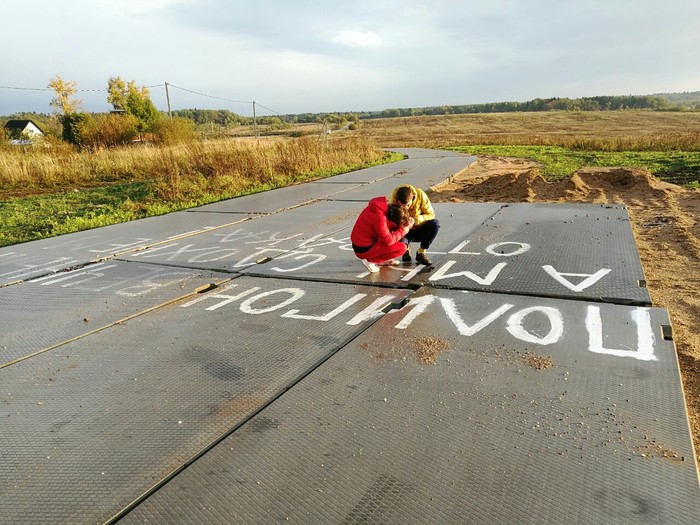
column 448, row 411
column 47, row 256
column 423, row 176
column 331, row 258
column 87, row 430
column 47, row 311
column 275, row 200
column 577, row 251
column 282, row 235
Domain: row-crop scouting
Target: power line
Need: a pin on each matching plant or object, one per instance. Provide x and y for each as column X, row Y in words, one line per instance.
column 270, row 110
column 154, row 86
column 211, row 96
column 46, row 89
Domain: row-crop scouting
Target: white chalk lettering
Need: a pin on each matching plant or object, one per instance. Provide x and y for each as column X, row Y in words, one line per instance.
column 463, row 328
column 252, row 258
column 316, row 257
column 373, row 311
column 460, row 246
column 295, row 294
column 556, row 330
column 241, row 234
column 645, row 335
column 492, row 249
column 204, row 254
column 122, row 247
column 589, row 280
column 417, row 306
column 60, row 263
column 294, row 314
column 73, row 274
column 272, row 239
column 323, row 242
column 220, row 295
column 147, row 285
column 441, row 273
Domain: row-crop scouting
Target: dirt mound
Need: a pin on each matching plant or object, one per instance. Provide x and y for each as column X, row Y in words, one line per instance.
column 614, row 185
column 505, row 187
column 500, row 180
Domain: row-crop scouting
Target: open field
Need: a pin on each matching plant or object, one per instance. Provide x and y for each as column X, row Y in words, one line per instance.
column 632, row 130
column 52, row 191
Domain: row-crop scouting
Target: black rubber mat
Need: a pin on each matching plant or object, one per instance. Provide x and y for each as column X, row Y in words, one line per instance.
column 383, row 187
column 47, row 256
column 464, row 408
column 331, row 258
column 576, row 251
column 276, row 200
column 281, row 235
column 422, row 173
column 88, row 429
column 42, row 313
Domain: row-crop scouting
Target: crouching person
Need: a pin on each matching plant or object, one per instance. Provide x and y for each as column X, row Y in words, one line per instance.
column 425, row 225
column 376, row 236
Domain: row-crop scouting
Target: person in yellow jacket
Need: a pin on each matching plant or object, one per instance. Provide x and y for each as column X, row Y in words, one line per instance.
column 425, row 227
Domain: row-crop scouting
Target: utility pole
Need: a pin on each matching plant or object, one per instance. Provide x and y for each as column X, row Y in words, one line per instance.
column 167, row 96
column 255, row 123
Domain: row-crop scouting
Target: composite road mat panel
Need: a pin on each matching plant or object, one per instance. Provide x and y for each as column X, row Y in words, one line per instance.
column 42, row 313
column 32, row 259
column 331, row 258
column 576, row 251
column 383, row 187
column 87, row 430
column 424, row 168
column 560, row 250
column 280, row 235
column 423, row 172
column 275, row 200
column 463, row 408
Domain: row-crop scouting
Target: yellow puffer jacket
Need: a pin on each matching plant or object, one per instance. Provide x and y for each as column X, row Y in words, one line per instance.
column 421, row 210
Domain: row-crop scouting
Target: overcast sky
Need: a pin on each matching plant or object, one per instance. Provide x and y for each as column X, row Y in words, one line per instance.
column 298, row 56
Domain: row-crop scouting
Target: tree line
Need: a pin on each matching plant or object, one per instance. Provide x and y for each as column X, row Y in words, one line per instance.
column 134, row 116
column 690, row 101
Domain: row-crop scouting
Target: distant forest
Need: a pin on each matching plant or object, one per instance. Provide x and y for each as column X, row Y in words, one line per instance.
column 688, row 101
column 685, row 101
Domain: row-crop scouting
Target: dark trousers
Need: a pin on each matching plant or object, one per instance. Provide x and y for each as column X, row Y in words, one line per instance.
column 425, row 234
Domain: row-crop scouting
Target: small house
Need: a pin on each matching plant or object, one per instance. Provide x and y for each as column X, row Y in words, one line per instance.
column 22, row 131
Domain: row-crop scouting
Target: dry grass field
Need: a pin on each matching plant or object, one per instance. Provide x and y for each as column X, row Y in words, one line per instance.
column 665, row 217
column 622, row 129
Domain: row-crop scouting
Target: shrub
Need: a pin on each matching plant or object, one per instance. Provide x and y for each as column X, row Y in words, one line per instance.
column 108, row 130
column 174, row 131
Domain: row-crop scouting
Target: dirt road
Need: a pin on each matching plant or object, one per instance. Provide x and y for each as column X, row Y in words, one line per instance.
column 665, row 221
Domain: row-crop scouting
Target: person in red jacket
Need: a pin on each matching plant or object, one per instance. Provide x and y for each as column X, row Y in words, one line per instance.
column 376, row 236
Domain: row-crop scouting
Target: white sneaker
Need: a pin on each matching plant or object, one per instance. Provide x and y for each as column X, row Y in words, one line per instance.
column 370, row 265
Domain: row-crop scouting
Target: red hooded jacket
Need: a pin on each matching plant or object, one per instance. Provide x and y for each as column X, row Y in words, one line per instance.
column 373, row 227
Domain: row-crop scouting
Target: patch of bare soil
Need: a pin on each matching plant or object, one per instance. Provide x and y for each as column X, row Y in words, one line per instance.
column 428, row 349
column 665, row 225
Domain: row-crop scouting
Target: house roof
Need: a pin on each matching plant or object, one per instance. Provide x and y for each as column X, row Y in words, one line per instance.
column 19, row 125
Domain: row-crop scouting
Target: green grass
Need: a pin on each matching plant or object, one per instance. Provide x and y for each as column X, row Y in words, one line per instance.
column 35, row 217
column 679, row 167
